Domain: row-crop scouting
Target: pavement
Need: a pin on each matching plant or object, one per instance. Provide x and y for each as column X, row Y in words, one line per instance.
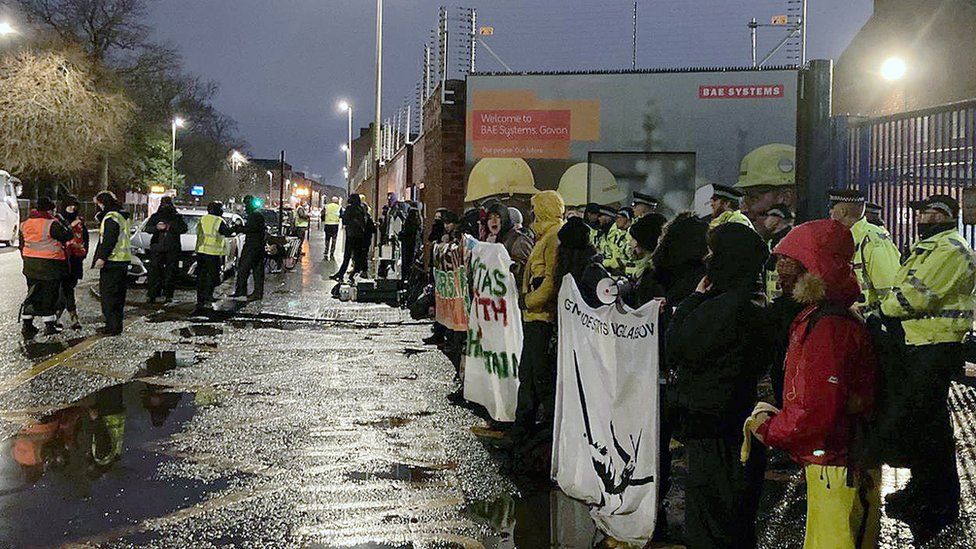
column 299, row 421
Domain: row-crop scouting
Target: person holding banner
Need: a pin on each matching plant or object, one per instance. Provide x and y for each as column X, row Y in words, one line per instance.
column 831, row 378
column 715, row 349
column 501, row 230
column 537, row 366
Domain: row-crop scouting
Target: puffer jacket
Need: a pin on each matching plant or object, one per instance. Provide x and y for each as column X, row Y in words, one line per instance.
column 538, row 280
column 830, row 376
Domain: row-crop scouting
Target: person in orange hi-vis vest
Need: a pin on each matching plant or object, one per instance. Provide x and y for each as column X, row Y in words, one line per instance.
column 42, row 239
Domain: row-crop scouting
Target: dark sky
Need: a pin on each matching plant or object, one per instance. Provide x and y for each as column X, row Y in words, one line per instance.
column 283, row 64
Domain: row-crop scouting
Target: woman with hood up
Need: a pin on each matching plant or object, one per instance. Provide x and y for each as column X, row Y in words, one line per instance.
column 678, row 259
column 829, row 388
column 537, row 367
column 500, row 229
column 714, row 349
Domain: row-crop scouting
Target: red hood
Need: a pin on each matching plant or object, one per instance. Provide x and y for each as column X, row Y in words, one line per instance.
column 825, row 248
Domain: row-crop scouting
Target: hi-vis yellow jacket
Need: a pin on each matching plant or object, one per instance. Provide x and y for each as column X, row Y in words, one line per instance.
column 731, row 216
column 933, row 292
column 876, row 263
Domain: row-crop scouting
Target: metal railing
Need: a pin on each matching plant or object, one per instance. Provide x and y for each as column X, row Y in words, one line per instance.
column 904, row 157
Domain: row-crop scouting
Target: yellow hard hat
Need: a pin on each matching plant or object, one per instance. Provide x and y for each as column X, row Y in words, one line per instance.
column 772, row 165
column 495, row 176
column 604, row 189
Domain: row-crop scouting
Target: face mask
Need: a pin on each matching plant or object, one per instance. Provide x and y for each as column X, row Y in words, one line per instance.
column 789, row 271
column 928, row 230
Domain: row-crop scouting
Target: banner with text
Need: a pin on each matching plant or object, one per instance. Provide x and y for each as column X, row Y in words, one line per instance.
column 451, row 286
column 494, row 332
column 605, row 439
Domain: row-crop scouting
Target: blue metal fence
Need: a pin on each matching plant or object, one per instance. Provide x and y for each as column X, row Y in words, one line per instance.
column 908, row 156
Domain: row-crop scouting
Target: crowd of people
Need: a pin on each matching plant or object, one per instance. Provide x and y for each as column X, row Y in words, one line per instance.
column 818, row 342
column 859, row 344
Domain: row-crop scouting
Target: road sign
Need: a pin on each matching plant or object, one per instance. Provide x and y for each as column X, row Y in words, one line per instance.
column 196, row 190
column 781, row 20
column 486, row 31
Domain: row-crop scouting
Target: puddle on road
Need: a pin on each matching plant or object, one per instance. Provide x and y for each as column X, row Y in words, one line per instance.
column 402, row 471
column 38, row 350
column 392, row 422
column 163, row 361
column 411, row 351
column 84, row 470
column 199, row 330
column 539, row 518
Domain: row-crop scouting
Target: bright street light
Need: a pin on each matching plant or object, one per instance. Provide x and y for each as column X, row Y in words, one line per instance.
column 6, row 28
column 344, row 147
column 346, row 107
column 177, row 123
column 894, row 68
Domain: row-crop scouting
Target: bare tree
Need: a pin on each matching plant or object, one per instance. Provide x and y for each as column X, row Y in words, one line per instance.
column 104, row 28
column 53, row 117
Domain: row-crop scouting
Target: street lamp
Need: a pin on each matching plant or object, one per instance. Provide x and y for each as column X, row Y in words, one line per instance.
column 346, row 107
column 893, row 68
column 177, row 123
column 236, row 159
column 6, row 28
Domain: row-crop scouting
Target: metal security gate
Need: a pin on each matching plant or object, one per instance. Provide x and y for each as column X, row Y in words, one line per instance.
column 904, row 157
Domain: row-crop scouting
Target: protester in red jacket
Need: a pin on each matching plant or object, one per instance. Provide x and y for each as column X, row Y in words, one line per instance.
column 829, row 387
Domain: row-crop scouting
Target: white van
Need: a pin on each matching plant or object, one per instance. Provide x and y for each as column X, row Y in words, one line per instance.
column 10, row 188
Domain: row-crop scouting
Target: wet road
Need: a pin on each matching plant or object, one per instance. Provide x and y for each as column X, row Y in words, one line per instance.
column 301, row 421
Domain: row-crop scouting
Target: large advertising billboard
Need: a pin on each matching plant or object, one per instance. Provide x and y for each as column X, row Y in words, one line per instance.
column 600, row 137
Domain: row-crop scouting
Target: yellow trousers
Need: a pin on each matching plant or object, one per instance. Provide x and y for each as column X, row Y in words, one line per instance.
column 841, row 516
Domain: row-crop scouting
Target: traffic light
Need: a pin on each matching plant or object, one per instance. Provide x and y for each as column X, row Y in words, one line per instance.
column 257, row 202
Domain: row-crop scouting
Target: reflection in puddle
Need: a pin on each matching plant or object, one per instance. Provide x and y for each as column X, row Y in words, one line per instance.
column 401, row 471
column 36, row 350
column 200, row 330
column 537, row 519
column 85, row 468
column 163, row 361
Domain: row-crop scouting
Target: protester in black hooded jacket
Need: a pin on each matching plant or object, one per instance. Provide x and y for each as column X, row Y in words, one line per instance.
column 166, row 226
column 715, row 347
column 410, row 236
column 679, row 258
column 355, row 248
column 577, row 256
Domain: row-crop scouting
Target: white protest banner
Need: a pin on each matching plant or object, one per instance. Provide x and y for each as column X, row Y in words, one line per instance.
column 605, row 439
column 494, row 332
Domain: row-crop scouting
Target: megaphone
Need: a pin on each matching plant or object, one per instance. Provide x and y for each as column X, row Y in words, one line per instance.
column 607, row 291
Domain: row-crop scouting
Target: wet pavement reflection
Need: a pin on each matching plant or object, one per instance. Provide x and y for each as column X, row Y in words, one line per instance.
column 88, row 468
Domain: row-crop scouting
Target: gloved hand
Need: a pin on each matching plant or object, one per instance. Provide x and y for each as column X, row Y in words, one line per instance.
column 760, row 415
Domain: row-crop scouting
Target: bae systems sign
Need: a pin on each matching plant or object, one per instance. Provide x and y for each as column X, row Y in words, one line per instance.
column 771, row 91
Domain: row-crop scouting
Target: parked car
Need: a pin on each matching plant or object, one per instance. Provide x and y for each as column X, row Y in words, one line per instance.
column 10, row 188
column 138, row 267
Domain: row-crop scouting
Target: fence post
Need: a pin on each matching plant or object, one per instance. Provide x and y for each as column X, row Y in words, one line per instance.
column 814, row 172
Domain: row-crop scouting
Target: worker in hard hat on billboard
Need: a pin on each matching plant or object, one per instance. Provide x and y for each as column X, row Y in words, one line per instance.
column 495, row 177
column 587, row 178
column 767, row 178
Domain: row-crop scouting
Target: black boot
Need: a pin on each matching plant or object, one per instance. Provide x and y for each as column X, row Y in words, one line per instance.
column 28, row 330
column 52, row 328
